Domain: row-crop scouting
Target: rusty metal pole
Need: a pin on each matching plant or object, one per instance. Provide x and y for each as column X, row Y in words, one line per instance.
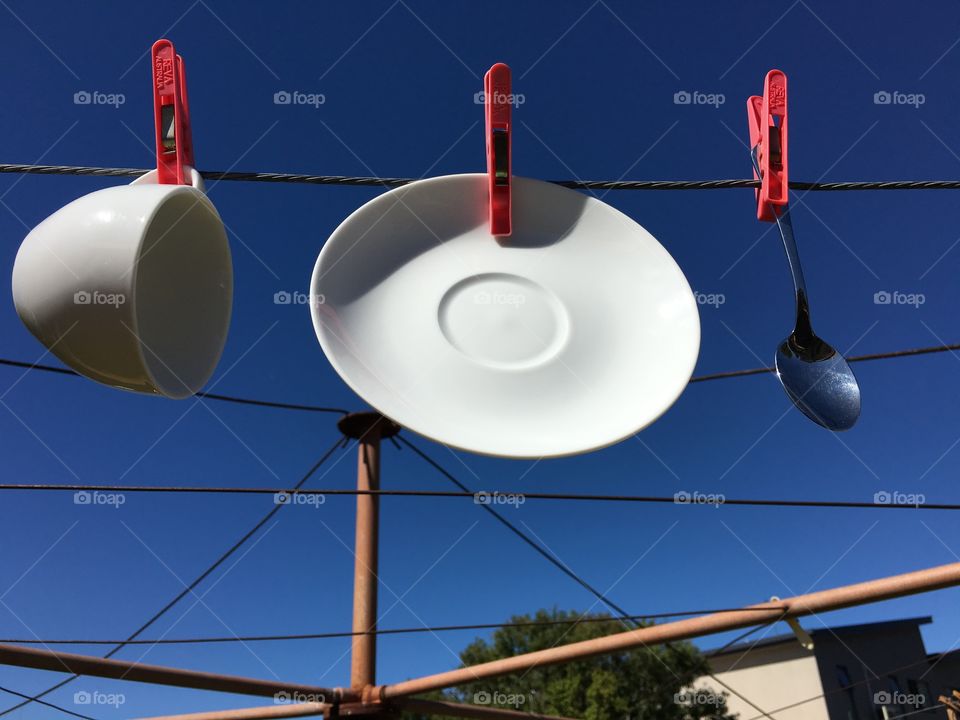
column 368, row 428
column 134, row 671
column 886, row 588
column 271, row 712
column 422, row 707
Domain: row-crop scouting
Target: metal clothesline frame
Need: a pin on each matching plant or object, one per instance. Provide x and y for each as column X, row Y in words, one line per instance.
column 364, row 696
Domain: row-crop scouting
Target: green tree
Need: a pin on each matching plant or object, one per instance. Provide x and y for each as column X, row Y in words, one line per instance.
column 642, row 684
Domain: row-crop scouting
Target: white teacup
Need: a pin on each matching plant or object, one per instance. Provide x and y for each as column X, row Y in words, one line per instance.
column 131, row 286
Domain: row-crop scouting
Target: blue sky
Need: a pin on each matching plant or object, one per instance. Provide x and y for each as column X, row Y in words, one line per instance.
column 399, row 80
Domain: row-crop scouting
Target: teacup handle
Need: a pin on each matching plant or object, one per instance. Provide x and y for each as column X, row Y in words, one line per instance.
column 191, row 174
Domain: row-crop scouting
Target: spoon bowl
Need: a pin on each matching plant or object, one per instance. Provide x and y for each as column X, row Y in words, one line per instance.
column 820, row 382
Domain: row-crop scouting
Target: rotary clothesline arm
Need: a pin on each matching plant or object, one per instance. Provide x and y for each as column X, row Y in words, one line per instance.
column 886, row 588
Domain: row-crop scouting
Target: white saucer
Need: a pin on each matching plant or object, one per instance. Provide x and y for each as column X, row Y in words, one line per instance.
column 570, row 335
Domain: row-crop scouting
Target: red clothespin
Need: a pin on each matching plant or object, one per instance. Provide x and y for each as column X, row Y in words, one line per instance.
column 171, row 114
column 771, row 136
column 496, row 92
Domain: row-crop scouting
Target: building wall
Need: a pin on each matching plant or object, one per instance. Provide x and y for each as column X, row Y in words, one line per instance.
column 890, row 660
column 856, row 671
column 944, row 675
column 772, row 677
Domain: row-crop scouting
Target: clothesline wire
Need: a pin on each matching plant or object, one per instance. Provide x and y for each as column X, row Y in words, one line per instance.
column 493, row 498
column 45, row 703
column 317, row 408
column 387, row 631
column 206, row 395
column 188, row 589
column 576, row 184
column 536, row 546
column 625, row 617
column 851, row 359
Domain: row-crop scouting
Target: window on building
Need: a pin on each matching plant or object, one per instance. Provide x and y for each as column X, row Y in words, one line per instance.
column 915, row 698
column 852, row 713
column 843, row 676
column 844, row 681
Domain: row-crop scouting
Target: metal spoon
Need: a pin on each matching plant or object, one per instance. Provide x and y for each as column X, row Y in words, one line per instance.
column 815, row 376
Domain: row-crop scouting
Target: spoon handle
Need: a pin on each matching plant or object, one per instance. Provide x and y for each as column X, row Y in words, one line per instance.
column 803, row 332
